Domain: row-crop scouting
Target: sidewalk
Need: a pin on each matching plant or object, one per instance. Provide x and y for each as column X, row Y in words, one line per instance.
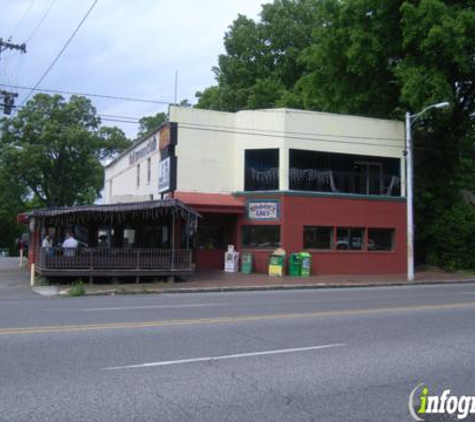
column 217, row 281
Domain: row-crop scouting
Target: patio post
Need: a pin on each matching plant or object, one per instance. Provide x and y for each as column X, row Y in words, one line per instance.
column 173, row 241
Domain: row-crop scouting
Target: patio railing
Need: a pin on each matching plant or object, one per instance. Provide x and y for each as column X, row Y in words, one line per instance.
column 114, row 258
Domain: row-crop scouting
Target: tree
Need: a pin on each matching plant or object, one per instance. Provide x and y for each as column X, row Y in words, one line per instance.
column 149, row 123
column 55, row 148
column 261, row 64
column 371, row 58
column 13, row 201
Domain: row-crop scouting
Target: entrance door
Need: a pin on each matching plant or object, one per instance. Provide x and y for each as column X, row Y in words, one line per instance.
column 215, row 233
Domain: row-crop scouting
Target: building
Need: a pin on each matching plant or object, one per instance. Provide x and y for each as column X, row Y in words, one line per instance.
column 329, row 184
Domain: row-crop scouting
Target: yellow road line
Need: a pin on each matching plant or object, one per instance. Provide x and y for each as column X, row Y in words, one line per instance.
column 223, row 320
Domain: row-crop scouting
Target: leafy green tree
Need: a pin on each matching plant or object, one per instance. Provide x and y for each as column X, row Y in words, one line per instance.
column 261, row 64
column 149, row 123
column 13, row 200
column 55, row 148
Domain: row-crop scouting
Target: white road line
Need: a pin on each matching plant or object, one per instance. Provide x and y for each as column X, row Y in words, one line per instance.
column 126, row 308
column 214, row 358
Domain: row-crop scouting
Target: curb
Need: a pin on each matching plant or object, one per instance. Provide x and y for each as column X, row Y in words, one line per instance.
column 276, row 287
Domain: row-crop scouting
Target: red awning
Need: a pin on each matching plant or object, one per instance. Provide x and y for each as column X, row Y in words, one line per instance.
column 212, row 202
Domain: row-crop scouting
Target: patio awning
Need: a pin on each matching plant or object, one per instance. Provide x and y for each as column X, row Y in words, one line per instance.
column 116, row 213
column 212, row 202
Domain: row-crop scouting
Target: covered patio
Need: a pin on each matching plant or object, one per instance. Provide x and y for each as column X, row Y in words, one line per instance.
column 142, row 239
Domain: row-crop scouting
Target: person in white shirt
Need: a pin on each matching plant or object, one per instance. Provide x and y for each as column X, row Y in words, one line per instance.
column 47, row 243
column 70, row 245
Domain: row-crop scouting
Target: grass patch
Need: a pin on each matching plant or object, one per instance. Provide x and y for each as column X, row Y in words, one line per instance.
column 41, row 281
column 77, row 289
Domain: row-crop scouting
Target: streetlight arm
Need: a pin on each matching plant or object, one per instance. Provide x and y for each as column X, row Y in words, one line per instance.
column 413, row 117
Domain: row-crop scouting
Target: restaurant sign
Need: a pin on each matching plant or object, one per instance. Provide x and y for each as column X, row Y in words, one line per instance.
column 143, row 151
column 167, row 175
column 263, row 209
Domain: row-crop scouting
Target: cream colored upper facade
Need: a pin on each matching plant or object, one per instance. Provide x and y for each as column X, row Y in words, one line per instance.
column 211, row 148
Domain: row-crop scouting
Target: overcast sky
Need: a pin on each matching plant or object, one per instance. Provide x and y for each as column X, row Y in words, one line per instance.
column 124, row 48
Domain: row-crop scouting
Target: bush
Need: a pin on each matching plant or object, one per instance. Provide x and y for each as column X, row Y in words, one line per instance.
column 452, row 238
column 77, row 289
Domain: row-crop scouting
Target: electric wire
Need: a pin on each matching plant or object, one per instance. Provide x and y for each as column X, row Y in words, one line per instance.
column 110, row 97
column 45, row 73
column 25, row 13
column 43, row 18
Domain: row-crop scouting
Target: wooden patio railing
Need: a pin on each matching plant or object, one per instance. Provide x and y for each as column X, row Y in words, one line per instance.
column 114, row 258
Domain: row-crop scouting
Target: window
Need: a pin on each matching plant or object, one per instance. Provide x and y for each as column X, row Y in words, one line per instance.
column 380, row 239
column 138, row 175
column 318, row 237
column 350, row 238
column 318, row 171
column 129, row 238
column 110, row 188
column 104, row 236
column 370, row 178
column 149, row 170
column 260, row 236
column 210, row 237
column 261, row 169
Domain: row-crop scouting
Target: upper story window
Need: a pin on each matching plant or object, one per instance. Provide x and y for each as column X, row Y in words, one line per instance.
column 138, row 175
column 343, row 173
column 149, row 170
column 261, row 169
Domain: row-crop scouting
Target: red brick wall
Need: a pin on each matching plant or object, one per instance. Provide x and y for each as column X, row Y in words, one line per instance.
column 299, row 211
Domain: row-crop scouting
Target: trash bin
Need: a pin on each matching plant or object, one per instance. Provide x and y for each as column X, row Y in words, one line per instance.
column 277, row 263
column 294, row 265
column 305, row 264
column 246, row 263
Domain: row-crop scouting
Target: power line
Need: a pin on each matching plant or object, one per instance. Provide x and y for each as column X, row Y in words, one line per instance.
column 282, row 133
column 110, row 97
column 60, row 53
column 22, row 18
column 108, row 119
column 37, row 27
column 313, row 137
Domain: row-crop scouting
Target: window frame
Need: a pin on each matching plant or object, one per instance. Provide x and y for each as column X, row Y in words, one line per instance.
column 256, row 227
column 392, row 232
column 331, row 239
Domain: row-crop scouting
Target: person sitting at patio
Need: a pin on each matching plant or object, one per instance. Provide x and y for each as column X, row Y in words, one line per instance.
column 70, row 244
column 47, row 244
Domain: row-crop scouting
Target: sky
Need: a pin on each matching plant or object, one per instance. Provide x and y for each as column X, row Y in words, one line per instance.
column 124, row 48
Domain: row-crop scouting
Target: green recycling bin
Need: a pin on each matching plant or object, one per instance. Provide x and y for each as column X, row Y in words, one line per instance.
column 295, row 264
column 305, row 264
column 246, row 263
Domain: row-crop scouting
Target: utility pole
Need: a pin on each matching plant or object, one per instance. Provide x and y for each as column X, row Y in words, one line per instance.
column 8, row 98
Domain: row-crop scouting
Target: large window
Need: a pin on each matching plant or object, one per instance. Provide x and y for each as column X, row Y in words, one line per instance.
column 261, row 169
column 350, row 238
column 343, row 173
column 211, row 237
column 380, row 239
column 318, row 237
column 261, row 236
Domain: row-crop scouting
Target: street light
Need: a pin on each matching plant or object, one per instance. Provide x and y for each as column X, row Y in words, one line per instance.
column 410, row 119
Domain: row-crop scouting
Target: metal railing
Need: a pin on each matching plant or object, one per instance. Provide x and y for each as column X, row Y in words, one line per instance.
column 344, row 182
column 114, row 258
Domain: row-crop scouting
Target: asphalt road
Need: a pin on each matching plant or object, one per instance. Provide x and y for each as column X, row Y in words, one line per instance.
column 312, row 355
